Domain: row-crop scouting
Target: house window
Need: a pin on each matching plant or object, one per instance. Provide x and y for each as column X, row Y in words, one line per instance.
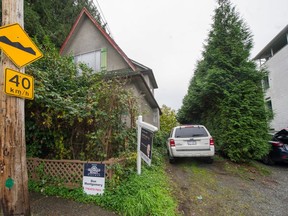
column 269, row 105
column 266, row 83
column 97, row 60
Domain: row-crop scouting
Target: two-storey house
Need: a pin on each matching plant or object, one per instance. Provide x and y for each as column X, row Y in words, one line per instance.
column 89, row 43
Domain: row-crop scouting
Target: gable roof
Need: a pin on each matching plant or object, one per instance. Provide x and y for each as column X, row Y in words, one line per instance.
column 85, row 12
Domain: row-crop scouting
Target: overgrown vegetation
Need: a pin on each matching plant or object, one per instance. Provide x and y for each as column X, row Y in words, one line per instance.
column 80, row 117
column 167, row 122
column 225, row 93
column 73, row 116
column 145, row 194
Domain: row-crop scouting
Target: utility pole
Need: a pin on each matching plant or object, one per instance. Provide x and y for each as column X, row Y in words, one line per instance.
column 14, row 196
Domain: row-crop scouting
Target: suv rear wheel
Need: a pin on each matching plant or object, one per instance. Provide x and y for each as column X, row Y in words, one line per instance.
column 209, row 160
column 171, row 159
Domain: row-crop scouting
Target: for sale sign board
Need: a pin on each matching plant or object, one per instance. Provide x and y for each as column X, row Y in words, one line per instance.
column 146, row 145
column 94, row 178
column 144, row 142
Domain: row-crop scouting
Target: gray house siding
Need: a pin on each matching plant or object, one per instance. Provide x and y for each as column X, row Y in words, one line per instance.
column 87, row 39
column 149, row 114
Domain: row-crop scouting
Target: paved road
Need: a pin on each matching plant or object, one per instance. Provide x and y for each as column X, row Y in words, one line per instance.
column 54, row 206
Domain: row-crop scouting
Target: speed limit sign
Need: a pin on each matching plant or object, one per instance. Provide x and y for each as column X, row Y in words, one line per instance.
column 19, row 84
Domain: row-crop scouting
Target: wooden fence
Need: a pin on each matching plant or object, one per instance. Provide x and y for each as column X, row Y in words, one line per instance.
column 66, row 172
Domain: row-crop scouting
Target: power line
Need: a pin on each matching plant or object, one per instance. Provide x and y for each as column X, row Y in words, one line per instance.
column 103, row 19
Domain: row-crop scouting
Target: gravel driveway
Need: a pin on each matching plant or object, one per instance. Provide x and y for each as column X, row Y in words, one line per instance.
column 275, row 192
column 225, row 188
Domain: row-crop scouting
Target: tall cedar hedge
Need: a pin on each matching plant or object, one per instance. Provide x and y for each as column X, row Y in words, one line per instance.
column 225, row 93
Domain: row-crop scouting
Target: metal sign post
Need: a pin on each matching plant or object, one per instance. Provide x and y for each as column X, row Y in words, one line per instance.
column 149, row 127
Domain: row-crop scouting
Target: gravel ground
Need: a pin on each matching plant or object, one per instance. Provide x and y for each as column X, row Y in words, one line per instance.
column 222, row 188
column 274, row 191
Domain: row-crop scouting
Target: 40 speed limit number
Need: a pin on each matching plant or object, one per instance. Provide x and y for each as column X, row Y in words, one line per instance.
column 19, row 84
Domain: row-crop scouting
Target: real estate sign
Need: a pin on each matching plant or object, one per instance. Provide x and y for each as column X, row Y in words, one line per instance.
column 146, row 145
column 94, row 178
column 144, row 142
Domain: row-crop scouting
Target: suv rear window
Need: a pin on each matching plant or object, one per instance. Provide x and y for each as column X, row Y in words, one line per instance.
column 186, row 132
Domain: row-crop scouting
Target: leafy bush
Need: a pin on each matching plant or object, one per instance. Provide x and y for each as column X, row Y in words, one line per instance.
column 75, row 116
column 160, row 138
column 167, row 122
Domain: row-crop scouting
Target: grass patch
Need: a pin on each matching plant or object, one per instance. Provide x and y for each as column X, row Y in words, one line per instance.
column 145, row 194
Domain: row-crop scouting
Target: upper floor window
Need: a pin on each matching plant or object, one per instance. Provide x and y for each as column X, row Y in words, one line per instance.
column 266, row 83
column 269, row 106
column 97, row 60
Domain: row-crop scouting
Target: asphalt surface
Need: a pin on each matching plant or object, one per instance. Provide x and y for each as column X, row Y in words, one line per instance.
column 42, row 205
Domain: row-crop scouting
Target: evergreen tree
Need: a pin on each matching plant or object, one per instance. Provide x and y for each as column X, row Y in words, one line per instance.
column 225, row 93
column 53, row 18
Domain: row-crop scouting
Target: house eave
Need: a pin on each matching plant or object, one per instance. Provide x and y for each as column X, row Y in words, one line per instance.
column 146, row 71
column 277, row 41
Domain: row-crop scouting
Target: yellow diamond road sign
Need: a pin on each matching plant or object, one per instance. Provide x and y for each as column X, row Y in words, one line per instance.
column 17, row 45
column 19, row 84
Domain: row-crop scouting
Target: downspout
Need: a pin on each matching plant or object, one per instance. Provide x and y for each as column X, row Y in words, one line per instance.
column 271, row 51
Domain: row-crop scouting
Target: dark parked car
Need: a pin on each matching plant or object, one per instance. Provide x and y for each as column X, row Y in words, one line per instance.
column 279, row 148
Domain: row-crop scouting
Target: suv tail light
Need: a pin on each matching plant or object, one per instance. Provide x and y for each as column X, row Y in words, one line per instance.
column 277, row 144
column 211, row 141
column 172, row 142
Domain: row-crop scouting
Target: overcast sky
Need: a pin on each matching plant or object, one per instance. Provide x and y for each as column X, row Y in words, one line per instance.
column 167, row 36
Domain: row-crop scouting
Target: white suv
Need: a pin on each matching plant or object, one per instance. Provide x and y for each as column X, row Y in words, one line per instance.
column 190, row 141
